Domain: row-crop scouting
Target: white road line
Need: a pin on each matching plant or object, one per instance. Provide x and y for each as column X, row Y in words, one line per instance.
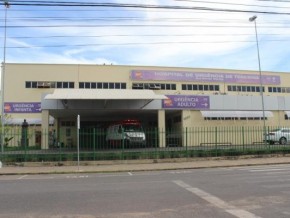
column 265, row 170
column 21, row 177
column 240, row 213
column 130, row 173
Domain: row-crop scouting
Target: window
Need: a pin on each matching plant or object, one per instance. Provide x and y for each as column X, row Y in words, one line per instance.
column 65, row 85
column 81, row 85
column 59, row 85
column 123, row 85
column 87, row 85
column 117, row 85
column 111, row 85
column 270, row 89
column 27, row 84
column 93, row 85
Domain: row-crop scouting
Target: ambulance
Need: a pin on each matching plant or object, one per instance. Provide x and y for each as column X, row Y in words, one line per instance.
column 126, row 132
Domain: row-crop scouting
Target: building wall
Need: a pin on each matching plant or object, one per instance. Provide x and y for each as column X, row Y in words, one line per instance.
column 17, row 74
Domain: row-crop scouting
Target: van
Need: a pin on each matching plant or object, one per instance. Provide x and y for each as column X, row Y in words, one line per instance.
column 129, row 132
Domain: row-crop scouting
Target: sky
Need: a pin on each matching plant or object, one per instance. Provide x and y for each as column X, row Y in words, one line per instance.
column 218, row 36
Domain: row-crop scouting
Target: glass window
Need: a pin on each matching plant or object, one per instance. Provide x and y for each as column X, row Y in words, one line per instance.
column 81, row 85
column 27, row 84
column 111, row 85
column 244, row 88
column 105, row 85
column 216, row 87
column 249, row 89
column 93, row 85
column 183, row 87
column 279, row 89
column 59, row 85
column 168, row 86
column 99, row 85
column 189, row 87
column 65, row 85
column 123, row 85
column 194, row 87
column 87, row 85
column 274, row 89
column 117, row 85
column 34, row 84
column 270, row 89
column 283, row 90
column 234, row 88
column 253, row 88
column 211, row 88
column 205, row 88
column 230, row 88
column 200, row 87
column 173, row 86
column 71, row 85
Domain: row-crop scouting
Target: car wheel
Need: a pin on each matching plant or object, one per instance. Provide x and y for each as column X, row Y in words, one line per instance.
column 283, row 141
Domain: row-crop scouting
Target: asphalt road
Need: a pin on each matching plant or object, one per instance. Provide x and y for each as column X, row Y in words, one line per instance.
column 243, row 192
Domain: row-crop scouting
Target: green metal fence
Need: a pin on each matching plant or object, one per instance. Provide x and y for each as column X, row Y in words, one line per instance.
column 27, row 146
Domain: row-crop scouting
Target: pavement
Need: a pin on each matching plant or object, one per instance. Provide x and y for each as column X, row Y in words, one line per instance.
column 139, row 165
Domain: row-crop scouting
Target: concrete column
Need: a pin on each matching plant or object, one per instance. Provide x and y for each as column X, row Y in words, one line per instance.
column 44, row 129
column 185, row 125
column 161, row 128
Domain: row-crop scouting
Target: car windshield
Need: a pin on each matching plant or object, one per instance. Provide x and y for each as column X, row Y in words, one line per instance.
column 132, row 128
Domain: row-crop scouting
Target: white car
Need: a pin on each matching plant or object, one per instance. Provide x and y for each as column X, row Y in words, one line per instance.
column 282, row 136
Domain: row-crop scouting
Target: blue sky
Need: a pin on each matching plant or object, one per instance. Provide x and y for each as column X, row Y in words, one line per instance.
column 150, row 37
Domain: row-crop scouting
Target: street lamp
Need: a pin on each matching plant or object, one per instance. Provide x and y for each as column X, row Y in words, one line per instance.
column 6, row 5
column 253, row 19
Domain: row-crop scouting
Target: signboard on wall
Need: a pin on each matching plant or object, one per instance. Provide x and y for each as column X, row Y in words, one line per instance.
column 186, row 102
column 204, row 77
column 22, row 107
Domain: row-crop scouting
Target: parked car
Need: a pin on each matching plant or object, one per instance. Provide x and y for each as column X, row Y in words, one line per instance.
column 281, row 135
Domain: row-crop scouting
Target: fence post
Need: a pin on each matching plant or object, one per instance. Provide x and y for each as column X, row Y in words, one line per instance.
column 25, row 145
column 186, row 148
column 60, row 151
column 243, row 138
column 216, row 142
column 94, row 143
column 123, row 144
column 156, row 141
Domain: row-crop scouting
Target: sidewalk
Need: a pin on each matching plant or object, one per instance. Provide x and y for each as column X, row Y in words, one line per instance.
column 145, row 165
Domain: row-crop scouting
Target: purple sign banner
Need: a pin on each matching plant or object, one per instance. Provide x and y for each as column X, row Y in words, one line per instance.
column 22, row 107
column 186, row 102
column 204, row 77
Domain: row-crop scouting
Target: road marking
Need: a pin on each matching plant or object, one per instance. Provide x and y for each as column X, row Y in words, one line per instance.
column 21, row 177
column 240, row 213
column 269, row 169
column 130, row 173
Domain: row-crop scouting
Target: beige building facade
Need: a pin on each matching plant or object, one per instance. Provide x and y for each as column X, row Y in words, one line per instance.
column 51, row 96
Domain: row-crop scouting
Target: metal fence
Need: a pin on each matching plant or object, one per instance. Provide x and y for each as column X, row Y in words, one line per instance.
column 26, row 146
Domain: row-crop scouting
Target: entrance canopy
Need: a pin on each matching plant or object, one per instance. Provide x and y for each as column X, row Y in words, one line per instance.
column 103, row 94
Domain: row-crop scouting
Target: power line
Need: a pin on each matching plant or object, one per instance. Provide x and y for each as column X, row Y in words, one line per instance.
column 140, row 43
column 224, row 3
column 117, row 5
